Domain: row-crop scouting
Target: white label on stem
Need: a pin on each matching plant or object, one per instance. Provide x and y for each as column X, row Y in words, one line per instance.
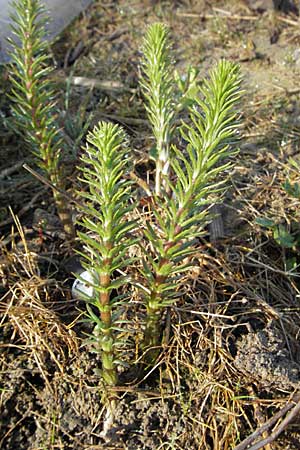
column 82, row 290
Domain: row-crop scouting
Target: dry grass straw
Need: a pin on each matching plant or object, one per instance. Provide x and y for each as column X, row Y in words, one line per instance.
column 198, row 361
column 29, row 310
column 222, row 299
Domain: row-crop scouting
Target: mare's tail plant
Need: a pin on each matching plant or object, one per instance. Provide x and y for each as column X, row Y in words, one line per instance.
column 181, row 210
column 166, row 94
column 34, row 99
column 158, row 87
column 107, row 236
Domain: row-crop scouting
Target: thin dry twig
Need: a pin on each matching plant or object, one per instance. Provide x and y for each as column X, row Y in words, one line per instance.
column 294, row 23
column 111, row 86
column 221, row 13
column 11, row 169
column 25, row 208
column 269, row 423
column 50, row 185
column 121, row 119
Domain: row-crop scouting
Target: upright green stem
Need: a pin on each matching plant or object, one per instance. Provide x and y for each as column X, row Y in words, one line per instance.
column 162, row 167
column 106, row 238
column 158, row 176
column 109, row 371
column 152, row 334
column 153, row 318
column 64, row 213
column 158, row 88
column 179, row 218
column 33, row 95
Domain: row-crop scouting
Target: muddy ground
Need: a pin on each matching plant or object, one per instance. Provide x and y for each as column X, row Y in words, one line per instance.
column 231, row 360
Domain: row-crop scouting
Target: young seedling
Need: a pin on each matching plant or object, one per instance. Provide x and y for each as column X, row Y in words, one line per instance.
column 159, row 91
column 34, row 99
column 180, row 208
column 106, row 237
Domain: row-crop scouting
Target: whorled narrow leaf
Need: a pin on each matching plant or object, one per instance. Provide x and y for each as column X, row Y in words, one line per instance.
column 158, row 87
column 200, row 171
column 106, row 232
column 32, row 92
column 34, row 101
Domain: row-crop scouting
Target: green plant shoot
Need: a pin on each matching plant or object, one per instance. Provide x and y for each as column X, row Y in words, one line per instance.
column 107, row 236
column 200, row 172
column 34, row 99
column 158, row 85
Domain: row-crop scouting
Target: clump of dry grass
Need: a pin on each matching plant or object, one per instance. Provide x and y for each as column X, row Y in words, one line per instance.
column 198, row 366
column 30, row 311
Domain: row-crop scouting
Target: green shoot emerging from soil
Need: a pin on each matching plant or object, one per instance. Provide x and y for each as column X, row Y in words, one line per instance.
column 34, row 99
column 179, row 218
column 189, row 181
column 107, row 237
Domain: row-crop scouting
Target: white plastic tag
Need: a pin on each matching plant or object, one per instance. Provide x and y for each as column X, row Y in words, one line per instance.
column 82, row 290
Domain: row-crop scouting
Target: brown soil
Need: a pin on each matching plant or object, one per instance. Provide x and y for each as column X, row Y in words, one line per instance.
column 231, row 355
